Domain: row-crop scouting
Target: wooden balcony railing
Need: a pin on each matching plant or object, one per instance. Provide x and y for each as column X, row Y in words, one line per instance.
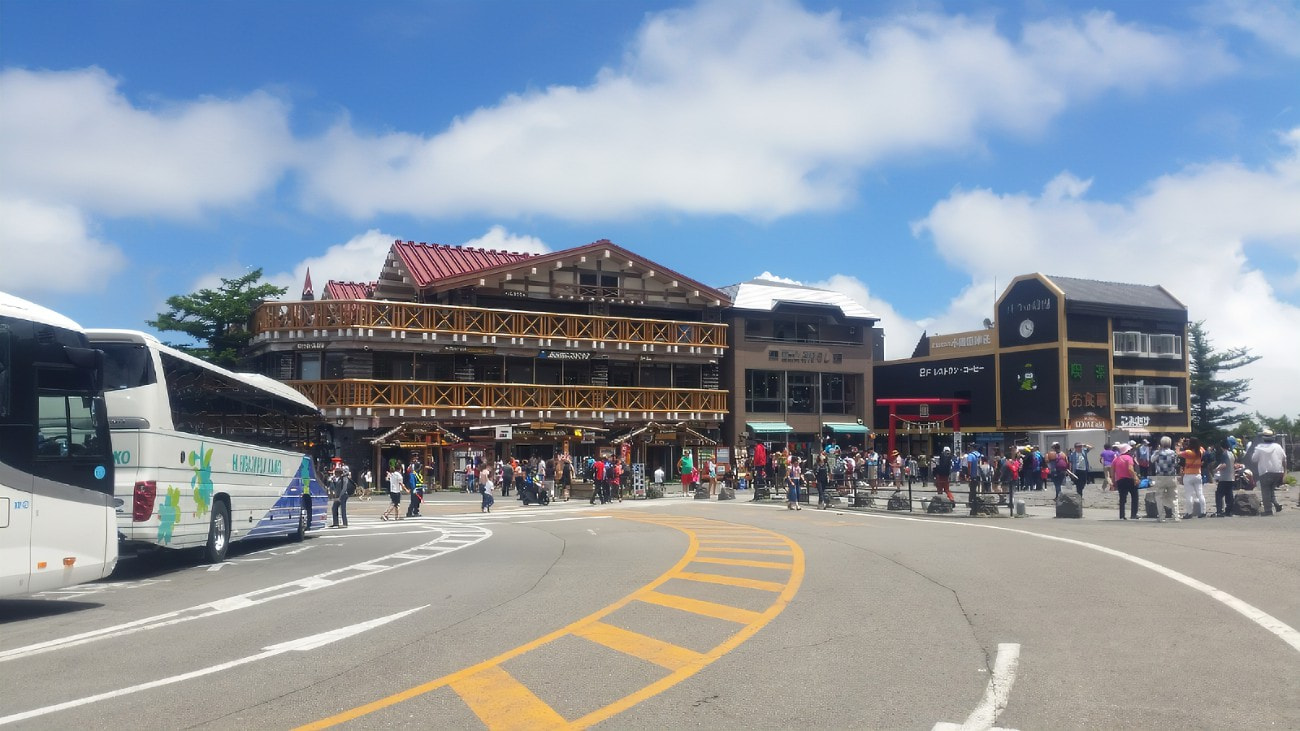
column 357, row 393
column 452, row 319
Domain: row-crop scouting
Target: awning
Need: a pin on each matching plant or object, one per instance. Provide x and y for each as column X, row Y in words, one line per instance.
column 846, row 427
column 411, row 432
column 768, row 427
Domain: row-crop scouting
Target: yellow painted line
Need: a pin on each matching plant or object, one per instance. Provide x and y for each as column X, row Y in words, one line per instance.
column 724, row 542
column 761, row 551
column 759, row 620
column 698, row 606
column 663, row 654
column 501, row 702
column 731, row 581
column 744, row 562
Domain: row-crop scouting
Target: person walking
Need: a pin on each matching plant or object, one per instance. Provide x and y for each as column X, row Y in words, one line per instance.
column 395, row 489
column 1078, row 463
column 1225, row 479
column 942, row 472
column 485, row 481
column 1107, row 460
column 821, row 472
column 340, row 483
column 1126, row 480
column 1270, row 465
column 415, row 487
column 366, row 484
column 566, row 475
column 1164, row 480
column 792, row 489
column 1057, row 466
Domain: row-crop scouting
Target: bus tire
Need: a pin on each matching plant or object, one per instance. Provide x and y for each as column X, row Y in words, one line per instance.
column 300, row 533
column 218, row 533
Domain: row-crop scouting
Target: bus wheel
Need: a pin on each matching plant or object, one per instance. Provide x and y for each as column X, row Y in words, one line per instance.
column 301, row 532
column 218, row 533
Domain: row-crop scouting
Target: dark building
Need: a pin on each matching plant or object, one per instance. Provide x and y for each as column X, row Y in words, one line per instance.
column 1064, row 353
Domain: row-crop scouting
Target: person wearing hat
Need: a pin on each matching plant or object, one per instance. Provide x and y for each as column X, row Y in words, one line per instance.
column 1270, row 465
column 943, row 472
column 1164, row 480
column 1126, row 480
column 1078, row 459
column 1107, row 460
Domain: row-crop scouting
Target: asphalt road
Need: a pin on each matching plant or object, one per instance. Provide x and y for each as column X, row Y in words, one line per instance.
column 678, row 613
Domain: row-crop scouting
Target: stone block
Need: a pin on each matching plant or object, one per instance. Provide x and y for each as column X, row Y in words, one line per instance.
column 938, row 503
column 1246, row 502
column 702, row 492
column 985, row 504
column 1069, row 505
column 726, row 493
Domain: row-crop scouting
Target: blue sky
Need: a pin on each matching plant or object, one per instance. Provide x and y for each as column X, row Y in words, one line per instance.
column 915, row 155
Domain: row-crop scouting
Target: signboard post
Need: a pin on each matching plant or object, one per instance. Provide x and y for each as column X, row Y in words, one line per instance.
column 638, row 481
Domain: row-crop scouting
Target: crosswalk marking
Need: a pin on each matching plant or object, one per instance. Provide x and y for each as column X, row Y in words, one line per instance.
column 701, row 607
column 741, row 562
column 501, row 702
column 761, row 551
column 731, row 581
column 663, row 654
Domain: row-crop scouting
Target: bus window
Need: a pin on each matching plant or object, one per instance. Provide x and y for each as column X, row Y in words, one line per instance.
column 126, row 365
column 68, row 418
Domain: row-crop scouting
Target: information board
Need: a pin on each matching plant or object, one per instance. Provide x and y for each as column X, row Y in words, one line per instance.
column 638, row 480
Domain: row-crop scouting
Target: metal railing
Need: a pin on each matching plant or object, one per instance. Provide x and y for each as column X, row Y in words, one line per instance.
column 453, row 319
column 361, row 393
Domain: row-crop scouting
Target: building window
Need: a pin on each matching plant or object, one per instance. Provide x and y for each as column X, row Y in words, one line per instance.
column 764, row 391
column 801, row 390
column 1144, row 345
column 1141, row 395
column 309, row 367
column 597, row 284
column 834, row 394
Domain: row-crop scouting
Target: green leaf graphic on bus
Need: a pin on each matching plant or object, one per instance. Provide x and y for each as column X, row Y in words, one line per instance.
column 304, row 475
column 169, row 514
column 201, row 462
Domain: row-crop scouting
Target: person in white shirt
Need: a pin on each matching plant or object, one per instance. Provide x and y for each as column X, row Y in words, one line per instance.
column 395, row 489
column 1270, row 465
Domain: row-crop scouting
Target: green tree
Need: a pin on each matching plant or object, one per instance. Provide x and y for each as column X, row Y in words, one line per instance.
column 217, row 319
column 1213, row 397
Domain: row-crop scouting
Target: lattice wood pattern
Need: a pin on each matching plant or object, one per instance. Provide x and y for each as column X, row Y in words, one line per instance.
column 448, row 319
column 352, row 393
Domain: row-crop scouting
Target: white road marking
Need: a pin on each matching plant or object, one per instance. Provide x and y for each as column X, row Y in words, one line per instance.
column 557, row 520
column 369, row 567
column 1284, row 631
column 995, row 695
column 303, row 644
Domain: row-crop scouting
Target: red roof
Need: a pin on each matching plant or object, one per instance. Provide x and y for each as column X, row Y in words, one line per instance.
column 349, row 290
column 428, row 263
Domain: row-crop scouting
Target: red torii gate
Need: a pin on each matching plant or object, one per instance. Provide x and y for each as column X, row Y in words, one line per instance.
column 953, row 405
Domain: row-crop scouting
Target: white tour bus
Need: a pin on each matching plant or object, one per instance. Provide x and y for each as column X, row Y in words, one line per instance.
column 57, row 524
column 204, row 456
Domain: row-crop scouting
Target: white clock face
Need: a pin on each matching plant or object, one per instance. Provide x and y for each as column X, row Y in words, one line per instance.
column 1026, row 328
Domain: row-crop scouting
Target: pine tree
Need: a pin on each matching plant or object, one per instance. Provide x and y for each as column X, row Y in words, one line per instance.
column 218, row 319
column 1211, row 396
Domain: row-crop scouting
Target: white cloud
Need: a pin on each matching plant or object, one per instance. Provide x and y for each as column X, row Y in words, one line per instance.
column 1187, row 231
column 50, row 249
column 499, row 239
column 1275, row 22
column 74, row 137
column 358, row 259
column 751, row 108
